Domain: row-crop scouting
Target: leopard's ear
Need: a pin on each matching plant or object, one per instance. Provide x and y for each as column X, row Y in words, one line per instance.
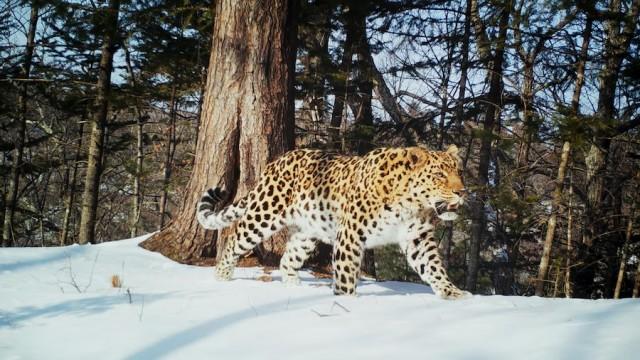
column 452, row 150
column 417, row 157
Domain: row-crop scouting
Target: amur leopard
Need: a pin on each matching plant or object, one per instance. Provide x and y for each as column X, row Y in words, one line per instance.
column 390, row 195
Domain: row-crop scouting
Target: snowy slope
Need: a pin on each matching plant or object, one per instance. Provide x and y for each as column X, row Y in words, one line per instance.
column 181, row 312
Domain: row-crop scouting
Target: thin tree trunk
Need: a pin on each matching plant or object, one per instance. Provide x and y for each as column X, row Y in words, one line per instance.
column 11, row 198
column 556, row 282
column 444, row 96
column 136, row 199
column 623, row 254
column 575, row 108
column 247, row 117
column 568, row 288
column 99, row 121
column 70, row 193
column 315, row 36
column 551, row 223
column 168, row 159
column 341, row 93
column 445, row 244
column 136, row 203
column 636, row 286
column 464, row 67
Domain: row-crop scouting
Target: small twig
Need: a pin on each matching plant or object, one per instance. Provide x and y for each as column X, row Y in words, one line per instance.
column 95, row 260
column 322, row 315
column 129, row 295
column 335, row 303
column 141, row 309
column 72, row 276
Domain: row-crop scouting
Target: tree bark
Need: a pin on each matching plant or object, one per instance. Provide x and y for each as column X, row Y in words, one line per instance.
column 551, row 223
column 247, row 116
column 99, row 122
column 11, row 198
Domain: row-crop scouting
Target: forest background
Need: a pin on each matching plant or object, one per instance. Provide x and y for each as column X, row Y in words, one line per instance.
column 103, row 101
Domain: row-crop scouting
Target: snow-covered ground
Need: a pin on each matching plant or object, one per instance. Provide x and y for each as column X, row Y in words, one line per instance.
column 59, row 303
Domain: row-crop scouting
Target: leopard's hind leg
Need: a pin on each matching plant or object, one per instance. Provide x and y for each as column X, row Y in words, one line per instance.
column 256, row 226
column 299, row 247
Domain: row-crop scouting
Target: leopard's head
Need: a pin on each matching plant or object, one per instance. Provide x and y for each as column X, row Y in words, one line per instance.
column 437, row 180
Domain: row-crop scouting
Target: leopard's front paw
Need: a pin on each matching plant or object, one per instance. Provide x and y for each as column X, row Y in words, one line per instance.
column 454, row 294
column 292, row 280
column 223, row 274
column 344, row 290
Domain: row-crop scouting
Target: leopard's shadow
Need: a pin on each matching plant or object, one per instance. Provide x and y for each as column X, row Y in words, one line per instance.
column 391, row 288
column 366, row 287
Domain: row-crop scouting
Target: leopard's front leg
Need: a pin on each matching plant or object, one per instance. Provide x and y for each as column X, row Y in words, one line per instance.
column 347, row 257
column 423, row 256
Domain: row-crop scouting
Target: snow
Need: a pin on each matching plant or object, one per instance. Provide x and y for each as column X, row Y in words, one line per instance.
column 177, row 311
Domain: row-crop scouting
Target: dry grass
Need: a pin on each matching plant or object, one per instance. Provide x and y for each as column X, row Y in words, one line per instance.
column 116, row 282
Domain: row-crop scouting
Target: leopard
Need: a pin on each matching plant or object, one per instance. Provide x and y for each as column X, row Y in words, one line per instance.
column 394, row 195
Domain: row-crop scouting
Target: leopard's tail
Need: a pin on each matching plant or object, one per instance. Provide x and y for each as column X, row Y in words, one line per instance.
column 211, row 219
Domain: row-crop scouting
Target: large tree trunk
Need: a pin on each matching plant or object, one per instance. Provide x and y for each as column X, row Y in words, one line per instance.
column 247, row 116
column 99, row 121
column 11, row 198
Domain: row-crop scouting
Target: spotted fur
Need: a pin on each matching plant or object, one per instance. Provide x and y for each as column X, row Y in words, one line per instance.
column 391, row 195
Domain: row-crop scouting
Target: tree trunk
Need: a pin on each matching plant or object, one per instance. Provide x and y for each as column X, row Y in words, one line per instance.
column 168, row 159
column 568, row 288
column 636, row 286
column 464, row 67
column 11, row 198
column 494, row 62
column 575, row 109
column 70, row 193
column 136, row 199
column 99, row 121
column 314, row 37
column 618, row 34
column 551, row 223
column 623, row 254
column 341, row 89
column 247, row 116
